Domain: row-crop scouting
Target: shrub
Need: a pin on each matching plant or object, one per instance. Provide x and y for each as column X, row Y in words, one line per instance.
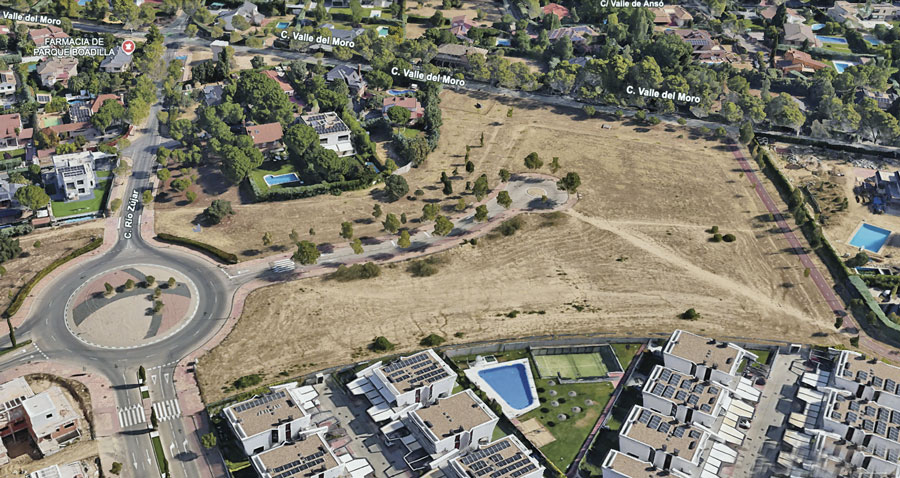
column 433, row 340
column 838, row 322
column 356, row 272
column 713, row 230
column 728, row 238
column 116, row 468
column 208, row 440
column 129, row 284
column 716, row 238
column 510, row 226
column 854, row 341
column 382, row 344
column 859, row 260
column 690, row 314
column 248, row 381
column 37, row 244
column 149, row 281
column 421, row 269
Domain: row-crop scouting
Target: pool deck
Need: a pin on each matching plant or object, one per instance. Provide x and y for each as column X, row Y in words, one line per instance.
column 508, row 410
column 856, row 231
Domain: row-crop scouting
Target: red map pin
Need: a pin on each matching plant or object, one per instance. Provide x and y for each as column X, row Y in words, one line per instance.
column 128, row 47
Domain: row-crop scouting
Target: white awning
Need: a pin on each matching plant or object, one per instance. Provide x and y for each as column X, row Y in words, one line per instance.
column 722, row 453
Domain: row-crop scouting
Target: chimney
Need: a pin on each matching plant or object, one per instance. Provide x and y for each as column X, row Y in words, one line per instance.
column 359, row 70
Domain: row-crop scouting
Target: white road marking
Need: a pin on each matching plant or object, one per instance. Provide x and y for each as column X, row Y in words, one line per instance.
column 167, row 410
column 283, row 265
column 131, row 416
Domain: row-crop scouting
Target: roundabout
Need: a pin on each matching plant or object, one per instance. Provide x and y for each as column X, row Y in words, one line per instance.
column 131, row 306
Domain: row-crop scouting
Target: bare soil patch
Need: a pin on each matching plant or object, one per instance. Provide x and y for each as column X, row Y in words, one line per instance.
column 54, row 243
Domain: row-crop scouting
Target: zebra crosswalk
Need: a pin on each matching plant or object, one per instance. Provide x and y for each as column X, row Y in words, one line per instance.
column 284, row 265
column 131, row 416
column 167, row 410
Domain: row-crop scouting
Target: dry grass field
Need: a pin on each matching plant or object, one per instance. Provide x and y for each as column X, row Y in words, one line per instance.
column 54, row 243
column 632, row 255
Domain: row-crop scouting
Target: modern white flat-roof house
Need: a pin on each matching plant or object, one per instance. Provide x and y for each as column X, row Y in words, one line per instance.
column 620, row 465
column 662, row 441
column 48, row 416
column 74, row 175
column 268, row 420
column 504, row 458
column 404, row 384
column 306, row 457
column 444, row 430
column 685, row 397
column 333, row 133
column 8, row 82
column 706, row 359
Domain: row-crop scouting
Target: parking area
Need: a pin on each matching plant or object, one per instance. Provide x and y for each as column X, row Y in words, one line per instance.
column 353, row 431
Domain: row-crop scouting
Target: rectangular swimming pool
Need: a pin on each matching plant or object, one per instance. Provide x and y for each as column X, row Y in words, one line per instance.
column 828, row 39
column 281, row 179
column 870, row 238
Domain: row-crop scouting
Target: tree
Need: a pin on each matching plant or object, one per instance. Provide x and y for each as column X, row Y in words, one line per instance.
column 391, row 223
column 32, row 197
column 480, row 188
column 208, row 440
column 460, row 205
column 267, row 238
column 356, row 245
column 398, row 115
column 504, row 200
column 149, row 281
column 554, row 165
column 163, row 174
column 382, row 344
column 783, row 111
column 109, row 288
column 217, row 211
column 504, row 175
column 116, row 467
column 448, row 188
column 147, row 197
column 470, row 166
column 442, row 226
column 859, row 260
column 142, row 374
column 376, row 211
column 9, row 248
column 129, row 284
column 395, row 186
column 154, row 422
column 307, row 253
column 294, row 236
column 347, row 230
column 171, row 282
column 690, row 314
column 429, row 212
column 533, row 161
column 404, row 240
column 191, row 196
column 569, row 182
column 481, row 213
column 12, row 333
column 746, row 132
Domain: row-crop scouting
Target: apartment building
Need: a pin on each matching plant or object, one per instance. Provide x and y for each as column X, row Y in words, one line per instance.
column 49, row 418
column 307, row 456
column 404, row 384
column 504, row 458
column 685, row 397
column 706, row 359
column 269, row 420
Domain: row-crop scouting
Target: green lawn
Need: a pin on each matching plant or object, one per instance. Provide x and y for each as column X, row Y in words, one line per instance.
column 570, row 433
column 462, row 360
column 608, row 438
column 841, row 48
column 625, row 353
column 409, row 132
column 63, row 209
column 160, row 456
column 272, row 168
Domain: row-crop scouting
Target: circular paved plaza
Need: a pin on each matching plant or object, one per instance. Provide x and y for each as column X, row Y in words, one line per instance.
column 131, row 306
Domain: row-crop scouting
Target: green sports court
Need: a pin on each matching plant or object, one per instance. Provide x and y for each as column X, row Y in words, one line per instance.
column 575, row 362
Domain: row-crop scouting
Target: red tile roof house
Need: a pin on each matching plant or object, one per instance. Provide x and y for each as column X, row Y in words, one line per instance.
column 12, row 135
column 100, row 99
column 557, row 9
column 40, row 35
column 285, row 87
column 459, row 27
column 796, row 60
column 415, row 108
column 266, row 136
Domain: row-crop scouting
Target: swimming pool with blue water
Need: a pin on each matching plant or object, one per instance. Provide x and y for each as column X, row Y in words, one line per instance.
column 870, row 237
column 511, row 383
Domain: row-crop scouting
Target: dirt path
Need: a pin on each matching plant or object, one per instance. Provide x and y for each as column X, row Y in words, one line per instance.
column 647, row 244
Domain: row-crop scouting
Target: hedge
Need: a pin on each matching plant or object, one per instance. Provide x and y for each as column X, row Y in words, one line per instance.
column 862, row 290
column 223, row 256
column 880, row 280
column 284, row 194
column 26, row 289
column 17, row 230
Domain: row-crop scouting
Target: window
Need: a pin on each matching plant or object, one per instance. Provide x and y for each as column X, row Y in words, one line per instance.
column 323, row 140
column 80, row 182
column 70, row 425
column 345, row 137
column 259, row 450
column 49, row 415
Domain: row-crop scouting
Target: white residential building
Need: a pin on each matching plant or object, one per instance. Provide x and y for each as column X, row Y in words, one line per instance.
column 404, row 384
column 75, row 174
column 306, row 457
column 8, row 82
column 333, row 133
column 269, row 420
column 685, row 397
column 504, row 458
column 662, row 441
column 706, row 359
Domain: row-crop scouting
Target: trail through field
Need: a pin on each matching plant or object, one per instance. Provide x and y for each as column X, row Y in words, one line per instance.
column 647, row 244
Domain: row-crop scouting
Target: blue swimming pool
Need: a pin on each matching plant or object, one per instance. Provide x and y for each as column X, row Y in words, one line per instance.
column 835, row 40
column 400, row 92
column 817, row 26
column 874, row 41
column 870, row 237
column 382, row 31
column 281, row 179
column 511, row 383
column 840, row 66
column 282, row 25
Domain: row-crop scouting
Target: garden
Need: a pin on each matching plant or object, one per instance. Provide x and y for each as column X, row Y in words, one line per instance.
column 71, row 208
